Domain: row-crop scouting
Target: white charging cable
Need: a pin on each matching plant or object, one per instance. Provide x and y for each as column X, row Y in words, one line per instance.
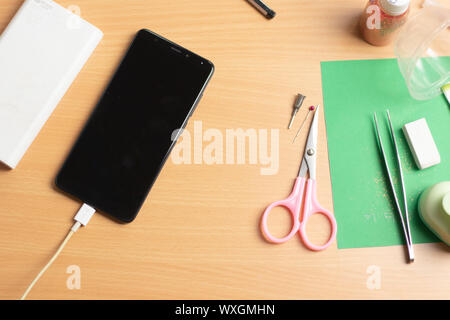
column 82, row 218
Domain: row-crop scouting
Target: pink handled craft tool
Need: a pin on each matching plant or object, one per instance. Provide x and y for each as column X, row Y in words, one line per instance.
column 303, row 197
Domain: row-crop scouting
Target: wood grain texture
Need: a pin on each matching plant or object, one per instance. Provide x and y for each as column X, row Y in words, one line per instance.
column 197, row 235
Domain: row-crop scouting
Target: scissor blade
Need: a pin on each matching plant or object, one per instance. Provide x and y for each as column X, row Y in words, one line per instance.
column 309, row 156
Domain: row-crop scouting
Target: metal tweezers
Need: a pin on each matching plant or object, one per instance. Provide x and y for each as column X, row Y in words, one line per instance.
column 405, row 226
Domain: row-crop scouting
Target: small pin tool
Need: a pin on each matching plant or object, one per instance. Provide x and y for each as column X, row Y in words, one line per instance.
column 312, row 108
column 298, row 103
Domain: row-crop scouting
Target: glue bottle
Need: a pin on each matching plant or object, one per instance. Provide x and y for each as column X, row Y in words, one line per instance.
column 381, row 19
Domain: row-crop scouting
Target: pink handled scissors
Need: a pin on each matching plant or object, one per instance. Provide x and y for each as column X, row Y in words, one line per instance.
column 299, row 197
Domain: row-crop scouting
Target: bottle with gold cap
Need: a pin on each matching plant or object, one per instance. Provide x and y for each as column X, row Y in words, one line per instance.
column 382, row 19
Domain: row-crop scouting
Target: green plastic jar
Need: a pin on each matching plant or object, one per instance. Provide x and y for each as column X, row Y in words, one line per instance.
column 434, row 210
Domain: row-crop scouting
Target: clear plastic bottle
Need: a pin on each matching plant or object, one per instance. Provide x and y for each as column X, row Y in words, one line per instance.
column 422, row 48
column 381, row 19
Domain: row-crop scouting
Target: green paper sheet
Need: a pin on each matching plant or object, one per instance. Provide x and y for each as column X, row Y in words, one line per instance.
column 362, row 197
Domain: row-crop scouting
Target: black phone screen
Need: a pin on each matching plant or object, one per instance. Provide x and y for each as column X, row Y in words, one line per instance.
column 127, row 139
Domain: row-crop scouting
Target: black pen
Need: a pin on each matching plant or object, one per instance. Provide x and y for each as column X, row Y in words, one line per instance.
column 261, row 7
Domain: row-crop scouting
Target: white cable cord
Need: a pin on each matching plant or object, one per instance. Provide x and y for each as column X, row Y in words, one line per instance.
column 82, row 218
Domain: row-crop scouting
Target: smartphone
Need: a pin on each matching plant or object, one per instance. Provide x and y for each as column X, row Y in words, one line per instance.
column 127, row 139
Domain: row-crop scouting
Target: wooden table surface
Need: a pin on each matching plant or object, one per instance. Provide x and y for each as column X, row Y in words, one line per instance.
column 197, row 235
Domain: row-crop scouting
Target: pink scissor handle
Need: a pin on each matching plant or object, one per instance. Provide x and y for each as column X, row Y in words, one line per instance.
column 312, row 207
column 293, row 204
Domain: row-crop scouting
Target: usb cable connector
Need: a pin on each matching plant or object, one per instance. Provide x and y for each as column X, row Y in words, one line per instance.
column 83, row 216
column 82, row 219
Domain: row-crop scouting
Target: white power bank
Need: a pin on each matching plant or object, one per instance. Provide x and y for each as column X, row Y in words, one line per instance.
column 42, row 50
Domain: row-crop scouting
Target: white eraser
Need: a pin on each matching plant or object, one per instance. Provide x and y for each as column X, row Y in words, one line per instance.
column 421, row 143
